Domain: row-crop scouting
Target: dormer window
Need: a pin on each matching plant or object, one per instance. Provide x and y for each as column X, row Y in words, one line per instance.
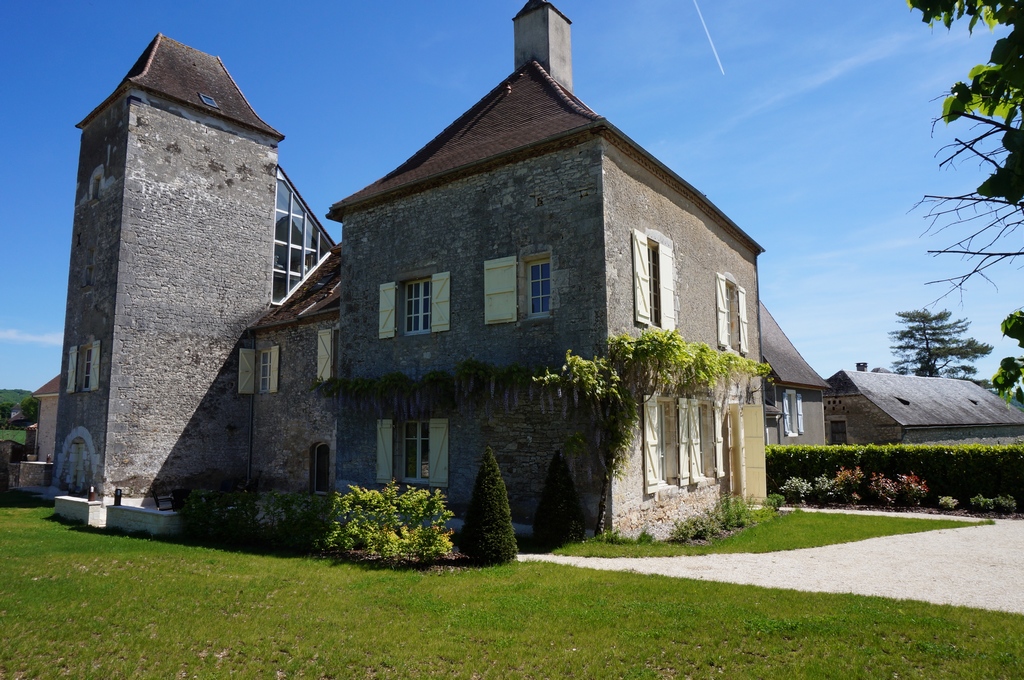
column 299, row 241
column 208, row 100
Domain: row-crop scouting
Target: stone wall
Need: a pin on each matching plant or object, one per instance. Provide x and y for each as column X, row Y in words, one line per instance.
column 865, row 422
column 988, row 435
column 189, row 252
column 47, row 432
column 288, row 424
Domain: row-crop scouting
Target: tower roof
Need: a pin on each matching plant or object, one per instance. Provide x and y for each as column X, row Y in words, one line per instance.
column 185, row 75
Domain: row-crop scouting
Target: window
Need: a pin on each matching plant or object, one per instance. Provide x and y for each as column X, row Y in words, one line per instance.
column 417, row 307
column 326, row 364
column 540, row 288
column 653, row 282
column 299, row 241
column 793, row 413
column 258, row 369
column 420, row 454
column 208, row 100
column 660, row 442
column 731, row 303
column 320, row 472
column 264, row 371
column 500, row 304
column 84, row 368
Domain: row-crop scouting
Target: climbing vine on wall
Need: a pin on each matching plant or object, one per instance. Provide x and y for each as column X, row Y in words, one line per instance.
column 608, row 388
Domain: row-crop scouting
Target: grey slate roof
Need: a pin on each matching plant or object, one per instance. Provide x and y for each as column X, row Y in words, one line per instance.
column 788, row 367
column 926, row 402
column 181, row 73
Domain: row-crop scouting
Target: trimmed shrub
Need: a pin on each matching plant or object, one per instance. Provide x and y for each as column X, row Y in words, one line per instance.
column 982, row 504
column 300, row 522
column 229, row 518
column 1004, row 504
column 487, row 535
column 847, row 485
column 795, row 490
column 883, row 489
column 911, row 489
column 948, row 503
column 559, row 517
column 395, row 525
column 774, row 501
column 961, row 472
column 731, row 512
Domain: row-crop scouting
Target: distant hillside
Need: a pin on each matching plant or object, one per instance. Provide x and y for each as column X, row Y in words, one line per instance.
column 13, row 396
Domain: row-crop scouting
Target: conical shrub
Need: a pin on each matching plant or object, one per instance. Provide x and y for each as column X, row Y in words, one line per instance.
column 559, row 517
column 487, row 535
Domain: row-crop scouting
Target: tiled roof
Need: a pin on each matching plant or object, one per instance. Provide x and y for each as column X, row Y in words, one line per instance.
column 788, row 366
column 178, row 72
column 50, row 388
column 320, row 292
column 527, row 107
column 913, row 401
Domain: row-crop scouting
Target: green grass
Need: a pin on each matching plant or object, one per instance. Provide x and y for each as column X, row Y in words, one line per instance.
column 13, row 435
column 84, row 604
column 785, row 532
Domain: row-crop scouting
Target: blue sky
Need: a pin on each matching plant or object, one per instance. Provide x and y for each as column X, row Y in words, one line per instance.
column 818, row 140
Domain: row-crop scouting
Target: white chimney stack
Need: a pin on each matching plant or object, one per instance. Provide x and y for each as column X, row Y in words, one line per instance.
column 542, row 34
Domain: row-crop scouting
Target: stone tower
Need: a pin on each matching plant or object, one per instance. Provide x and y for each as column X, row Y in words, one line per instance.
column 171, row 261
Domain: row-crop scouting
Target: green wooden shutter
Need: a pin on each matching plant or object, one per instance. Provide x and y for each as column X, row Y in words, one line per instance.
column 324, row 354
column 741, row 295
column 439, row 452
column 722, row 305
column 683, row 448
column 94, row 373
column 275, row 353
column 72, row 368
column 500, row 290
column 385, row 451
column 641, row 279
column 651, row 457
column 440, row 302
column 246, row 371
column 386, row 327
column 667, row 265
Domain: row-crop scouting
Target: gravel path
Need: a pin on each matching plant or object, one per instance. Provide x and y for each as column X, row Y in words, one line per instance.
column 981, row 566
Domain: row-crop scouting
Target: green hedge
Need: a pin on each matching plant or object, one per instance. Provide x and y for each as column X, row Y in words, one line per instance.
column 958, row 471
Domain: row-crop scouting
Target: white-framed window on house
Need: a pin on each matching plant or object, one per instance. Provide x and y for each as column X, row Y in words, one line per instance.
column 707, row 438
column 258, row 370
column 84, row 368
column 326, row 348
column 500, row 303
column 793, row 413
column 661, row 444
column 414, row 451
column 731, row 304
column 320, row 469
column 653, row 282
column 540, row 287
column 300, row 243
column 417, row 307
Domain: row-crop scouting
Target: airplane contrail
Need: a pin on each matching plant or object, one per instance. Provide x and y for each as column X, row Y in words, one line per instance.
column 708, row 33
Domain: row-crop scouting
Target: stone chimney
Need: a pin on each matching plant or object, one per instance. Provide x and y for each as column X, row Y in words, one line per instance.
column 862, row 366
column 542, row 34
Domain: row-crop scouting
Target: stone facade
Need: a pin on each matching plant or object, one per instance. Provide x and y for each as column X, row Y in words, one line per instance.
column 177, row 247
column 992, row 435
column 865, row 422
column 46, row 432
column 815, row 429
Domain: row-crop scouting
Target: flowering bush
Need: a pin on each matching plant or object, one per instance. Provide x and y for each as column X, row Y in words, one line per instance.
column 911, row 489
column 948, row 503
column 824, row 489
column 1005, row 504
column 885, row 490
column 795, row 490
column 847, row 483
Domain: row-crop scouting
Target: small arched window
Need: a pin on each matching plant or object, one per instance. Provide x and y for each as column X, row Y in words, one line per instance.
column 320, row 468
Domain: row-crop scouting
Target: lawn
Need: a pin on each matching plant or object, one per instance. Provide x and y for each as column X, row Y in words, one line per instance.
column 83, row 604
column 797, row 529
column 13, row 435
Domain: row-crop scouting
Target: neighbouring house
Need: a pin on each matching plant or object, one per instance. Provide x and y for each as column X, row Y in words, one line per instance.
column 879, row 407
column 18, row 418
column 531, row 225
column 206, row 300
column 46, row 433
column 793, row 408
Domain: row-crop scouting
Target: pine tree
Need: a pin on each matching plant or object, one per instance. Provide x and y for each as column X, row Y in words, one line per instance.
column 931, row 345
column 559, row 517
column 487, row 535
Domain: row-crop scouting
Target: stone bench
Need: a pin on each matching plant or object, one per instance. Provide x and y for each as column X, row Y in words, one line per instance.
column 154, row 522
column 81, row 510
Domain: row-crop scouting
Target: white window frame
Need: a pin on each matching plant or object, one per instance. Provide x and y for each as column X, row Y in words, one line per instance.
column 793, row 413
column 417, row 293
column 313, row 244
column 655, row 301
column 264, row 367
column 421, row 440
column 535, row 279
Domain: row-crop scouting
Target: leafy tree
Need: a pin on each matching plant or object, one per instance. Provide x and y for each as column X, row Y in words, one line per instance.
column 931, row 345
column 984, row 220
column 487, row 535
column 5, row 411
column 559, row 518
column 30, row 408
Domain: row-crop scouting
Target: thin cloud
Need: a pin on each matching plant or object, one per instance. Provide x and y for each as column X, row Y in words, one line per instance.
column 47, row 339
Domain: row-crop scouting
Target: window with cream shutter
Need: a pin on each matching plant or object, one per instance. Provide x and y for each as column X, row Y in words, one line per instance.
column 324, row 354
column 500, row 290
column 667, row 268
column 93, row 375
column 652, row 453
column 741, row 296
column 799, row 413
column 386, row 323
column 722, row 305
column 440, row 302
column 641, row 279
column 246, row 371
column 719, row 444
column 72, row 368
column 694, row 443
column 439, row 452
column 385, row 450
column 275, row 353
column 683, row 406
